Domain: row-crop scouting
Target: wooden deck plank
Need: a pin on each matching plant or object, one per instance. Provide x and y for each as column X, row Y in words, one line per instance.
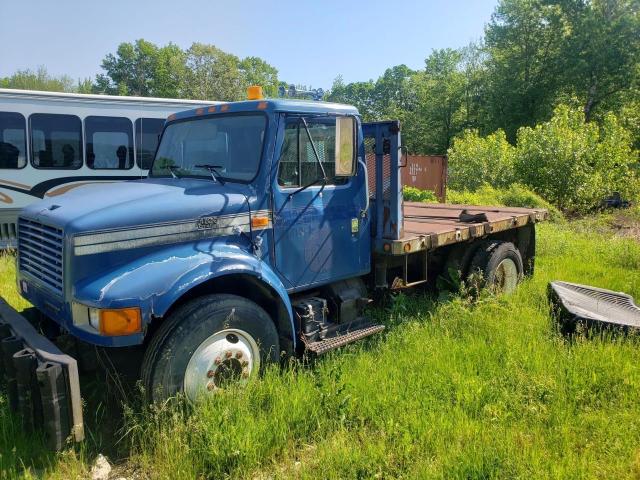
column 428, row 226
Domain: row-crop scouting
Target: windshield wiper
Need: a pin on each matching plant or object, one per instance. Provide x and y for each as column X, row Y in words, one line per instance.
column 213, row 170
column 172, row 170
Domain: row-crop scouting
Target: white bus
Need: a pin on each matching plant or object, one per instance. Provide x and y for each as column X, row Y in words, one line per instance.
column 53, row 142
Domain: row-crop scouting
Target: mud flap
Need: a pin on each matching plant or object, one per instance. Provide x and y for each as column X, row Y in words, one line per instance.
column 42, row 383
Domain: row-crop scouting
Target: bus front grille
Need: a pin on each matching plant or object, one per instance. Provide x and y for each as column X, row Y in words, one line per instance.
column 40, row 252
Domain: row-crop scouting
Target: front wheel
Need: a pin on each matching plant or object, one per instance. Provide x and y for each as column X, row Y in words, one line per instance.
column 208, row 344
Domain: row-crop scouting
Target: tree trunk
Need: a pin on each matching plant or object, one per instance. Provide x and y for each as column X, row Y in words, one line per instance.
column 591, row 101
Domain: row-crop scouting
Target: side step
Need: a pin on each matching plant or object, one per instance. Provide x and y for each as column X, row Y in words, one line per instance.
column 343, row 334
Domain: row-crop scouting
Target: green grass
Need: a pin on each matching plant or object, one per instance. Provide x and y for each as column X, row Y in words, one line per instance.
column 451, row 390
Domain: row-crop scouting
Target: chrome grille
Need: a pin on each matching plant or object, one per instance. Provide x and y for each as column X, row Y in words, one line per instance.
column 40, row 252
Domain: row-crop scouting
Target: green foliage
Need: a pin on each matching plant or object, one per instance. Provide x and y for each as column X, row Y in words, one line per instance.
column 39, row 79
column 572, row 164
column 475, row 161
column 413, row 194
column 514, row 195
column 433, row 105
column 202, row 72
column 359, row 94
column 601, row 55
column 255, row 71
column 440, row 94
column 168, row 72
column 517, row 195
column 575, row 165
column 135, row 69
column 630, row 118
column 535, row 55
column 212, row 74
column 523, row 42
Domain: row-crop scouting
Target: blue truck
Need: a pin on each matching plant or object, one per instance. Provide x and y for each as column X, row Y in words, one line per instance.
column 262, row 231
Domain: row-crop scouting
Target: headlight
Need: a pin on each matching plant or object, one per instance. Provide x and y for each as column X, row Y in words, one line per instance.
column 94, row 318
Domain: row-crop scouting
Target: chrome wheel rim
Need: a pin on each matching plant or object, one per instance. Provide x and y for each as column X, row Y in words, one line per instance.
column 507, row 276
column 227, row 357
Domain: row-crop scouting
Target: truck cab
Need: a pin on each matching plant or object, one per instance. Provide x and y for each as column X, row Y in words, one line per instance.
column 261, row 231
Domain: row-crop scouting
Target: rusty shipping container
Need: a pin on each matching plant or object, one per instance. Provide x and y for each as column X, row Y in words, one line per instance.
column 426, row 172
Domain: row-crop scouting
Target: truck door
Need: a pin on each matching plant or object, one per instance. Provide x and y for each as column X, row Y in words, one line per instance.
column 320, row 233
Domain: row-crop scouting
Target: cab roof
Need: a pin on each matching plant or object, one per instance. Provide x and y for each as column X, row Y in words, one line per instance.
column 288, row 106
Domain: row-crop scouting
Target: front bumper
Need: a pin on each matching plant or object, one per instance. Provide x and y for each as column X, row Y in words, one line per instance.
column 42, row 382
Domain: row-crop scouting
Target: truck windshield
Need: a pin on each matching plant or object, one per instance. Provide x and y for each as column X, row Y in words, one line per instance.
column 232, row 144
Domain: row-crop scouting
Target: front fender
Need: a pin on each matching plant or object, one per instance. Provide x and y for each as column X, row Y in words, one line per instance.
column 157, row 280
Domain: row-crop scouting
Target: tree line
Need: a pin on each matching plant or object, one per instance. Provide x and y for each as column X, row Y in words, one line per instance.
column 144, row 69
column 535, row 55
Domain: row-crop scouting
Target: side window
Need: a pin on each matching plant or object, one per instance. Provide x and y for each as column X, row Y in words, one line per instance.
column 298, row 163
column 147, row 131
column 56, row 141
column 109, row 143
column 13, row 140
column 288, row 168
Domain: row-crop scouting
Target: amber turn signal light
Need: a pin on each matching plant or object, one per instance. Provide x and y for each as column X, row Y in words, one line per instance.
column 123, row 321
column 259, row 222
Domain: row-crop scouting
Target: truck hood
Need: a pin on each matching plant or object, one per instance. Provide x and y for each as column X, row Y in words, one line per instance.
column 141, row 202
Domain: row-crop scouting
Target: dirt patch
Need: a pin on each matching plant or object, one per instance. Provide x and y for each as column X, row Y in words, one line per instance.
column 626, row 225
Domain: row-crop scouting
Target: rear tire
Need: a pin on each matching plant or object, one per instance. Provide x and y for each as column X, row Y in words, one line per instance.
column 456, row 267
column 497, row 265
column 207, row 344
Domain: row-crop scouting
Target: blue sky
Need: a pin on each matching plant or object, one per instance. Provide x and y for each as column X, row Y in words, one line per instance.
column 309, row 42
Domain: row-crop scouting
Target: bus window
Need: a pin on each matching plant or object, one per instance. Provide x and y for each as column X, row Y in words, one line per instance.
column 109, row 142
column 13, row 140
column 147, row 131
column 55, row 141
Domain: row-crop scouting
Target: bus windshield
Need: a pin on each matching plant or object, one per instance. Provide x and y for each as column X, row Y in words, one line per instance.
column 230, row 143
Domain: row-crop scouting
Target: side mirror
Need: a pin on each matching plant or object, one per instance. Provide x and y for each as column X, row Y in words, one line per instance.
column 345, row 165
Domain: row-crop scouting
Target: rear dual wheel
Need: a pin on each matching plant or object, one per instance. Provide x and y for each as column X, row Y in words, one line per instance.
column 496, row 265
column 208, row 344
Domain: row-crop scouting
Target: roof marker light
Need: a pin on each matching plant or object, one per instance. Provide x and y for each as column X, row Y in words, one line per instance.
column 254, row 92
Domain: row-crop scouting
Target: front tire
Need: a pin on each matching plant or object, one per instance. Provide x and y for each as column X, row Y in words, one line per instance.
column 207, row 344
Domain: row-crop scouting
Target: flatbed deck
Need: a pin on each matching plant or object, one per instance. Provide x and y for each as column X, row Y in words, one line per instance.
column 428, row 226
